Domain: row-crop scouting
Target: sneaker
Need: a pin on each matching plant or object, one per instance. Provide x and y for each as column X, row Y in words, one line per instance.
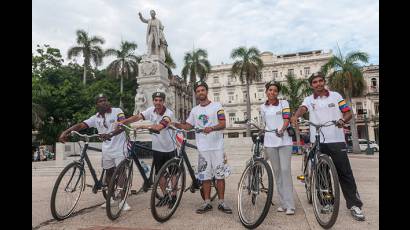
column 326, row 209
column 357, row 213
column 280, row 209
column 290, row 211
column 172, row 201
column 225, row 208
column 205, row 207
column 126, row 207
column 163, row 201
column 105, row 203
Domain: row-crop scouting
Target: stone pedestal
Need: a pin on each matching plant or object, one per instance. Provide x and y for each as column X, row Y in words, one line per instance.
column 152, row 77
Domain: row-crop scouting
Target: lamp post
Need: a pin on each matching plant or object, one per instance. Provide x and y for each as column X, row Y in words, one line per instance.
column 369, row 151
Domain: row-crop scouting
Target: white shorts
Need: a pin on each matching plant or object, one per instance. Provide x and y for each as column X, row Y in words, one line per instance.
column 211, row 164
column 110, row 161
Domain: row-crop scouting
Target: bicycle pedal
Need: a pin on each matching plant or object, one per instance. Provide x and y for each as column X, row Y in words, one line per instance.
column 133, row 192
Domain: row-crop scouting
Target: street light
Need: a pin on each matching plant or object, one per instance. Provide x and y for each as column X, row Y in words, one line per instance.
column 369, row 151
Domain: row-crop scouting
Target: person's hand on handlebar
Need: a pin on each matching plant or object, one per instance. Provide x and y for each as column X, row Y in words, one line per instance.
column 105, row 137
column 208, row 130
column 340, row 123
column 294, row 121
column 63, row 137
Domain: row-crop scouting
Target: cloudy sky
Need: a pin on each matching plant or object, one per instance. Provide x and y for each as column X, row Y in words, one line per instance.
column 278, row 26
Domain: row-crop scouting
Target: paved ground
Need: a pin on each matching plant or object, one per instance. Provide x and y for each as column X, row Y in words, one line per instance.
column 44, row 174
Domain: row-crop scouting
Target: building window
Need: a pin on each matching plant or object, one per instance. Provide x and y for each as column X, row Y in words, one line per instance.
column 307, row 71
column 359, row 107
column 245, row 96
column 216, row 80
column 291, row 72
column 376, row 108
column 232, row 117
column 244, row 115
column 374, row 82
column 231, row 97
column 216, row 97
column 260, row 94
column 275, row 74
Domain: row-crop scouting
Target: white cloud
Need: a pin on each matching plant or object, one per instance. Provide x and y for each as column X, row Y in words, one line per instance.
column 217, row 26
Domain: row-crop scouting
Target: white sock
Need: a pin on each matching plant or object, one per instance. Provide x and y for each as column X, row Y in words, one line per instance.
column 208, row 201
column 221, row 201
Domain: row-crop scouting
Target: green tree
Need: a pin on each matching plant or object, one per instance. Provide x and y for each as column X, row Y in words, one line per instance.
column 346, row 77
column 126, row 64
column 90, row 49
column 295, row 90
column 248, row 66
column 170, row 62
column 196, row 64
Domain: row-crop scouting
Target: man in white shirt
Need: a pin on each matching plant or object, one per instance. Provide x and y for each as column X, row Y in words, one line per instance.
column 163, row 146
column 113, row 139
column 209, row 116
column 324, row 106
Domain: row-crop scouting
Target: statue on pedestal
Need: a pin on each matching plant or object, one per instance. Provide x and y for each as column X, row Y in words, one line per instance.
column 155, row 38
column 140, row 101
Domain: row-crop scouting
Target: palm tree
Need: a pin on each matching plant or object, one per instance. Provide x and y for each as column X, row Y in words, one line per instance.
column 90, row 50
column 125, row 65
column 195, row 64
column 295, row 90
column 346, row 77
column 247, row 66
column 170, row 62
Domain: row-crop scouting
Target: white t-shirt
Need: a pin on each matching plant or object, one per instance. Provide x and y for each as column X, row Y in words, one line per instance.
column 207, row 116
column 273, row 116
column 161, row 142
column 117, row 145
column 324, row 109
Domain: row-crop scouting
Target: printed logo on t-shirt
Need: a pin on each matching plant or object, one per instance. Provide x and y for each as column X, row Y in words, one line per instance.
column 204, row 118
column 313, row 105
column 331, row 105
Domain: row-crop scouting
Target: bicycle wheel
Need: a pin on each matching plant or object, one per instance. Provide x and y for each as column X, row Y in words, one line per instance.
column 170, row 185
column 325, row 192
column 213, row 194
column 67, row 191
column 119, row 188
column 255, row 193
column 308, row 182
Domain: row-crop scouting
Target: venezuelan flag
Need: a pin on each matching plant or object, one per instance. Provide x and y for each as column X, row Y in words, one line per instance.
column 221, row 114
column 286, row 113
column 343, row 106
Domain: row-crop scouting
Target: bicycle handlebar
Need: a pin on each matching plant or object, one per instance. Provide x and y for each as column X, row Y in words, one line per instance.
column 252, row 122
column 196, row 130
column 132, row 129
column 83, row 135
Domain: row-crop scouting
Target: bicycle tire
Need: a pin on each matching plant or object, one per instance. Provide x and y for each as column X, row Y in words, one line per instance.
column 76, row 166
column 242, row 218
column 308, row 183
column 163, row 171
column 325, row 159
column 124, row 167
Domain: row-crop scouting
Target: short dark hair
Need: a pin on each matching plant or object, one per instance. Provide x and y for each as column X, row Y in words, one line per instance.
column 158, row 94
column 201, row 83
column 269, row 84
column 315, row 75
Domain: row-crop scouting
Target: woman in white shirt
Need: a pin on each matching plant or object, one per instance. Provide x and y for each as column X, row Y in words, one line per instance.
column 278, row 145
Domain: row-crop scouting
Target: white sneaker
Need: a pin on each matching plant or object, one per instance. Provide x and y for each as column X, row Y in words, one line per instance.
column 126, row 206
column 280, row 209
column 105, row 204
column 290, row 211
column 357, row 213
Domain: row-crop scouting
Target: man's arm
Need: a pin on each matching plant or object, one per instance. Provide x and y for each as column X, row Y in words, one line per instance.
column 185, row 126
column 346, row 118
column 220, row 126
column 301, row 110
column 76, row 127
column 132, row 119
column 142, row 18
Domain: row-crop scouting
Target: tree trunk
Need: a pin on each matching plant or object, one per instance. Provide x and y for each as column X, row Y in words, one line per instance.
column 85, row 74
column 353, row 128
column 248, row 109
column 121, row 90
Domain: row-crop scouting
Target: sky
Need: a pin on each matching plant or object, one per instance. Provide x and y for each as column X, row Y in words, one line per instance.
column 218, row 26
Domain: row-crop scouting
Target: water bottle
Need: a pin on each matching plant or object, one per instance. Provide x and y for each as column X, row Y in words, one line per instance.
column 146, row 168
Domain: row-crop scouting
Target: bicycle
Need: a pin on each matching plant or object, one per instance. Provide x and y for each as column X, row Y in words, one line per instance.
column 174, row 178
column 252, row 185
column 72, row 180
column 121, row 182
column 321, row 181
